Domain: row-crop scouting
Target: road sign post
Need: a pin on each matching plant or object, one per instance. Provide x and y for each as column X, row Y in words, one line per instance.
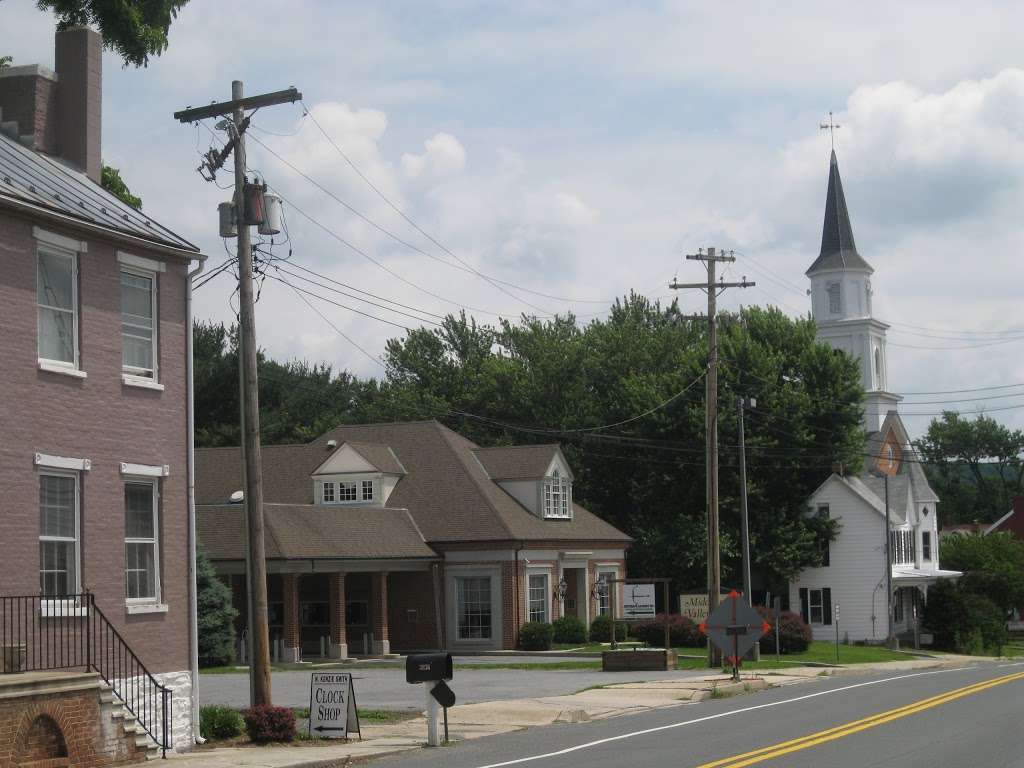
column 332, row 706
column 837, row 632
column 734, row 627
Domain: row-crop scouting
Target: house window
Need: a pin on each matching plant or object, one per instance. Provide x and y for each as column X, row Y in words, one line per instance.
column 138, row 323
column 604, row 594
column 141, row 554
column 367, row 490
column 328, row 493
column 58, row 534
column 816, row 605
column 347, row 492
column 57, row 298
column 538, row 597
column 835, row 298
column 557, row 496
column 891, row 456
column 926, row 545
column 824, row 544
column 901, row 545
column 473, row 596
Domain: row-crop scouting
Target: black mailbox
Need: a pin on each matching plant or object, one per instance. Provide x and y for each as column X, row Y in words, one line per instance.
column 428, row 667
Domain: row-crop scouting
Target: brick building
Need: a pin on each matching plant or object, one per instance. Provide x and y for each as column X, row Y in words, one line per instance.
column 397, row 537
column 95, row 304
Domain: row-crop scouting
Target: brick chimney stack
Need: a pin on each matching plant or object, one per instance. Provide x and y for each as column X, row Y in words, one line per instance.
column 58, row 113
column 79, row 63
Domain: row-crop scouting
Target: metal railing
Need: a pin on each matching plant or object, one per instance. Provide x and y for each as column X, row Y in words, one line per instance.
column 40, row 633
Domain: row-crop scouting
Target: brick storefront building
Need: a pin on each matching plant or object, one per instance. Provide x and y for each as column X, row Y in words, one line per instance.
column 397, row 537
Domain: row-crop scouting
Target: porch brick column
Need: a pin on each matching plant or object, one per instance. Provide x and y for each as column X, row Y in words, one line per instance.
column 339, row 641
column 292, row 651
column 381, row 635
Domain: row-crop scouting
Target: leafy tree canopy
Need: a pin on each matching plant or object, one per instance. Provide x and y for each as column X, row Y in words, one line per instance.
column 110, row 180
column 976, row 466
column 135, row 29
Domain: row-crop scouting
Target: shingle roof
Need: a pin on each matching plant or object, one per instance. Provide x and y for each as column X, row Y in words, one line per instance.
column 446, row 489
column 517, row 462
column 838, row 250
column 381, row 456
column 32, row 177
column 296, row 531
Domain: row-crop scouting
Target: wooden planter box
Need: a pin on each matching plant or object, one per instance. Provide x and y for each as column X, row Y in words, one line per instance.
column 647, row 660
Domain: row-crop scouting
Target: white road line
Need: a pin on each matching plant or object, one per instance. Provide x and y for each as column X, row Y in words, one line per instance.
column 646, row 731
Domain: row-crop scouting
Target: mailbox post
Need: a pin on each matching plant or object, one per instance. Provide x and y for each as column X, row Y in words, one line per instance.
column 432, row 670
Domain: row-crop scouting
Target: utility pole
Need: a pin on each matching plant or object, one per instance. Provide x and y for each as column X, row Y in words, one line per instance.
column 259, row 634
column 712, row 287
column 745, row 518
column 890, row 635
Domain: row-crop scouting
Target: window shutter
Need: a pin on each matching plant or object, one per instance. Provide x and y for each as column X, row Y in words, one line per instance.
column 803, row 605
column 826, row 605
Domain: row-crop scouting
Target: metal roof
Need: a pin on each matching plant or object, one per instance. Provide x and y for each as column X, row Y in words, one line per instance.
column 838, row 250
column 34, row 178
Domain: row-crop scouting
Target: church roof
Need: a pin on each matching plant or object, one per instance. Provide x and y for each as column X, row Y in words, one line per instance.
column 838, row 250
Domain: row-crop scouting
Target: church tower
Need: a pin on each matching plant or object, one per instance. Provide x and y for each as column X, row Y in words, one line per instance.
column 841, row 303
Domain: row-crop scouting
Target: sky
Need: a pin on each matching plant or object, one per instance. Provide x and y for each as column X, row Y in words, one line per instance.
column 581, row 149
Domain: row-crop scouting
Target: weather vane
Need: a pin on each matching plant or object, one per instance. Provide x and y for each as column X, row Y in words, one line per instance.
column 831, row 127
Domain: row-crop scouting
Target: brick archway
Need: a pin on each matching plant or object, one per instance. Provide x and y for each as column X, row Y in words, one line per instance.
column 45, row 736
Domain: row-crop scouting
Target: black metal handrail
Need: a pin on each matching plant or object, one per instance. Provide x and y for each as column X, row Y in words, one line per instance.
column 40, row 633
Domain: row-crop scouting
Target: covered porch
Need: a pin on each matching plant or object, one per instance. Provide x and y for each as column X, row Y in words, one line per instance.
column 910, row 592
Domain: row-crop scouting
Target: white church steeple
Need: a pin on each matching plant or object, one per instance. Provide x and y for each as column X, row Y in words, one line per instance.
column 841, row 302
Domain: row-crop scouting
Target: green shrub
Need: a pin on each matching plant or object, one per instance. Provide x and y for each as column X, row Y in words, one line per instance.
column 794, row 633
column 270, row 723
column 217, row 722
column 535, row 636
column 963, row 621
column 569, row 629
column 682, row 631
column 215, row 615
column 601, row 630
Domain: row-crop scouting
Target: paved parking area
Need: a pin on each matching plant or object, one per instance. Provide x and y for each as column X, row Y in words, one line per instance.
column 385, row 687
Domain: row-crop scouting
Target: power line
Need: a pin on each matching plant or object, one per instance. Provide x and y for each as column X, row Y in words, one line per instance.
column 341, row 306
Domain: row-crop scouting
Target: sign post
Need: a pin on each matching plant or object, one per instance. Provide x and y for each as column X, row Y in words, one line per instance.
column 332, row 706
column 734, row 627
column 638, row 602
column 837, row 632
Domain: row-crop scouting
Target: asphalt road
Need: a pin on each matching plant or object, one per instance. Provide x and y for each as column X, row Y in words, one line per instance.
column 385, row 687
column 851, row 722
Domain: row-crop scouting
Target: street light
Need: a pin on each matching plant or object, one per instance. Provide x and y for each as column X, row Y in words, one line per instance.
column 563, row 588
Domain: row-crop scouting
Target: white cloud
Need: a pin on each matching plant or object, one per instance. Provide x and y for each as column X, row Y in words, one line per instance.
column 444, row 155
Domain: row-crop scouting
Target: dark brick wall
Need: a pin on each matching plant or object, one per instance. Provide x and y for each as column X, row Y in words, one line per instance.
column 100, row 419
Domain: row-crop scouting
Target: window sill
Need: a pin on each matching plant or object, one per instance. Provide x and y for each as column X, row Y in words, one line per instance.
column 141, row 382
column 52, row 367
column 56, row 609
column 134, row 608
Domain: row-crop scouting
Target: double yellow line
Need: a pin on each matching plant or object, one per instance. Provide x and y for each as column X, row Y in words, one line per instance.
column 814, row 739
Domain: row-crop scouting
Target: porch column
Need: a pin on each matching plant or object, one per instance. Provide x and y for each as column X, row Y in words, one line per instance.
column 381, row 637
column 292, row 651
column 339, row 641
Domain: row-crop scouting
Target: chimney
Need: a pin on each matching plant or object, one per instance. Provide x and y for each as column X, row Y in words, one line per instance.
column 79, row 64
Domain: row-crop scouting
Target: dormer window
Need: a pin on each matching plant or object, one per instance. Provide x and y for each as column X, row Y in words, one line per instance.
column 557, row 496
column 328, row 493
column 347, row 491
column 367, row 490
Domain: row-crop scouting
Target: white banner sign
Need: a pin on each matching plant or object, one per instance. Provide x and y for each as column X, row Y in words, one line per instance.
column 637, row 601
column 332, row 706
column 694, row 607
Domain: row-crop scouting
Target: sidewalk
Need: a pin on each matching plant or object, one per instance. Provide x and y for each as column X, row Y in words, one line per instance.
column 473, row 721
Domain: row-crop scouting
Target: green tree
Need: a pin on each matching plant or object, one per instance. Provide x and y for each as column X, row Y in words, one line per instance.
column 135, row 29
column 5, row 61
column 215, row 615
column 992, row 565
column 975, row 466
column 110, row 180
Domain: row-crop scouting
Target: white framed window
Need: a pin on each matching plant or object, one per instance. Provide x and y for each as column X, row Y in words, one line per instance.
column 835, row 298
column 328, row 492
column 139, row 323
column 816, row 607
column 347, row 491
column 58, row 534
column 604, row 604
column 57, row 301
column 473, row 605
column 367, row 490
column 141, row 541
column 537, row 597
column 557, row 496
column 926, row 545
